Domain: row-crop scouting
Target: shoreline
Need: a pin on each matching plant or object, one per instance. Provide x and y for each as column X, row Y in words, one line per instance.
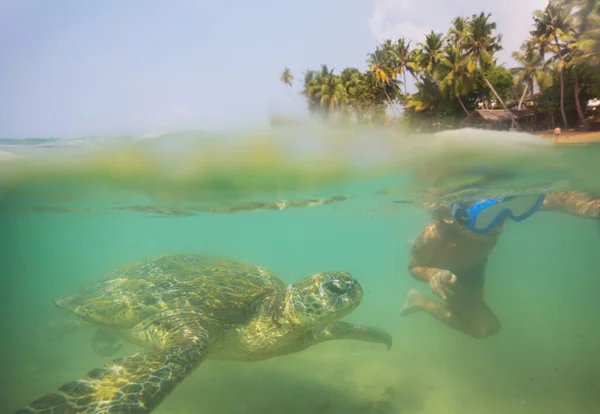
column 569, row 137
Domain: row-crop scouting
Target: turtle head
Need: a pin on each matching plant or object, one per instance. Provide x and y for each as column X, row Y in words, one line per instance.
column 322, row 298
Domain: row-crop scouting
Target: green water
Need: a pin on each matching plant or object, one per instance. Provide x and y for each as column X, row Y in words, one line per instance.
column 542, row 282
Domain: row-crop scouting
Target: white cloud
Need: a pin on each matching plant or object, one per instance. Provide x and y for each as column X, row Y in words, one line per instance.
column 413, row 18
column 388, row 22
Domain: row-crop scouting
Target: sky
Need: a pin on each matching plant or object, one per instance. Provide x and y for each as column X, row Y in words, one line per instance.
column 73, row 68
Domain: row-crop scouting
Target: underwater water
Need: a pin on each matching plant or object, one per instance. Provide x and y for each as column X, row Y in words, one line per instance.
column 300, row 202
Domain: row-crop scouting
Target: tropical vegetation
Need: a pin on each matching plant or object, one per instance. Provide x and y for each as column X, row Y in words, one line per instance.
column 557, row 71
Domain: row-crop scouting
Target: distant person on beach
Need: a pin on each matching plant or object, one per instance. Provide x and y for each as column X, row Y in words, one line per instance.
column 451, row 255
column 556, row 134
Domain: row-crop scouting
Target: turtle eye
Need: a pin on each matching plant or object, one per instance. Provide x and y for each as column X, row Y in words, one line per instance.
column 336, row 286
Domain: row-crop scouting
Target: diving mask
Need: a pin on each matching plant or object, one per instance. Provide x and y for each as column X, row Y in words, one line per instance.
column 482, row 215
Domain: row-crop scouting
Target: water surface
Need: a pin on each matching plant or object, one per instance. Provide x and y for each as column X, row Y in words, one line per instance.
column 299, row 202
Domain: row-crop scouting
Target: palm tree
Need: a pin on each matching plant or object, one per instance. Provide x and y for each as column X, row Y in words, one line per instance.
column 431, row 52
column 586, row 25
column 320, row 91
column 588, row 22
column 584, row 44
column 454, row 75
column 377, row 95
column 287, row 77
column 535, row 45
column 396, row 56
column 392, row 62
column 575, row 60
column 527, row 71
column 550, row 24
column 382, row 70
column 480, row 47
column 379, row 65
column 329, row 91
column 427, row 98
column 403, row 59
column 458, row 32
column 357, row 95
column 309, row 90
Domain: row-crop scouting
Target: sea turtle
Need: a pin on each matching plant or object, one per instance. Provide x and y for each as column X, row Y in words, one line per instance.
column 189, row 307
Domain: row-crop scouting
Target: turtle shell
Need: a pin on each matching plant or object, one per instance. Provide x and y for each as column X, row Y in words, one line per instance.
column 226, row 290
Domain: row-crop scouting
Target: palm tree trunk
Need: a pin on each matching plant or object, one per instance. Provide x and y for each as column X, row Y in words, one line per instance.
column 463, row 105
column 562, row 83
column 512, row 119
column 389, row 100
column 406, row 98
column 582, row 119
column 291, row 95
column 531, row 89
column 523, row 96
column 562, row 98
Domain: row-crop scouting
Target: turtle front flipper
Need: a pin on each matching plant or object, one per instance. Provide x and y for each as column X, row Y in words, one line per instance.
column 344, row 330
column 138, row 383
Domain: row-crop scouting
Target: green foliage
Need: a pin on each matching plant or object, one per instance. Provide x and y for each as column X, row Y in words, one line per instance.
column 457, row 72
column 502, row 81
column 548, row 100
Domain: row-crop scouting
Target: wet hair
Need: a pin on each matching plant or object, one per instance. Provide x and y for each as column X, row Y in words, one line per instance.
column 442, row 212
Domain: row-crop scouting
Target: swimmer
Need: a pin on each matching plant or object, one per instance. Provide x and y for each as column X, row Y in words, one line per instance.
column 451, row 255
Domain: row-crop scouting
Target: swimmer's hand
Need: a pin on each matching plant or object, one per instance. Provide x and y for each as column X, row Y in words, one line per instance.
column 441, row 283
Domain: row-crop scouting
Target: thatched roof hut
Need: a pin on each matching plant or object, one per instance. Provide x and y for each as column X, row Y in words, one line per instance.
column 490, row 118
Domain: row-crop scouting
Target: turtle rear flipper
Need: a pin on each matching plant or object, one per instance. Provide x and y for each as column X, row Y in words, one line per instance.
column 138, row 383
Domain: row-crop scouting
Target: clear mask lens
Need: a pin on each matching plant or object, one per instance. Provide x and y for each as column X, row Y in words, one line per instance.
column 514, row 208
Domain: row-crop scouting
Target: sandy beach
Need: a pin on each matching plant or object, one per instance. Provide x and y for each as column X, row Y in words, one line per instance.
column 571, row 136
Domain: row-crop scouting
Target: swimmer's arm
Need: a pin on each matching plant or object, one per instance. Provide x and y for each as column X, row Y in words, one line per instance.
column 424, row 274
column 573, row 202
column 425, row 245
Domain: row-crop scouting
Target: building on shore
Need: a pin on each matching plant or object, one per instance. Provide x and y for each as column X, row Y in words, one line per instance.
column 500, row 119
column 489, row 119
